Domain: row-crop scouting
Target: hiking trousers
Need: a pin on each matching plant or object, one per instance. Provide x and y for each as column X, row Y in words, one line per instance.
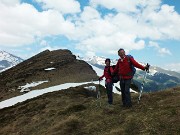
column 109, row 87
column 125, row 92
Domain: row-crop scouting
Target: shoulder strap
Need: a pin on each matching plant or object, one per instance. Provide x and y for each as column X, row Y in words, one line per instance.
column 129, row 58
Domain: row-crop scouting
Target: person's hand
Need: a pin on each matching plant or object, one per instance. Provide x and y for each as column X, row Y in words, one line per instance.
column 100, row 79
column 147, row 67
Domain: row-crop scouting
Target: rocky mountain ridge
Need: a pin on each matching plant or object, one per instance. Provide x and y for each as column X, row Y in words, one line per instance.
column 52, row 67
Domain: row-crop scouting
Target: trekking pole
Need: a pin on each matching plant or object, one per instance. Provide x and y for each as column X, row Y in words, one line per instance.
column 98, row 95
column 143, row 82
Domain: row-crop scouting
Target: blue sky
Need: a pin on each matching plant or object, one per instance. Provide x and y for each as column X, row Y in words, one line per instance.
column 147, row 29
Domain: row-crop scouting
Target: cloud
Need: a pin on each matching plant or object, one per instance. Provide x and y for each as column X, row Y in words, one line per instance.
column 63, row 6
column 92, row 29
column 22, row 24
column 127, row 6
column 10, row 2
column 173, row 66
column 110, row 44
column 164, row 22
column 44, row 43
column 49, row 48
column 146, row 18
column 161, row 51
column 142, row 20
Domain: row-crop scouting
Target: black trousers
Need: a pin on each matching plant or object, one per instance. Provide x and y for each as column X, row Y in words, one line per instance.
column 109, row 87
column 125, row 92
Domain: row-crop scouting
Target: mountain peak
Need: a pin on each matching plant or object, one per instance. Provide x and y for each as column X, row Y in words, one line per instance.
column 8, row 60
column 97, row 60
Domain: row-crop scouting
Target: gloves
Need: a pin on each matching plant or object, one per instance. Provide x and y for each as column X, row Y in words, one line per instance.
column 147, row 67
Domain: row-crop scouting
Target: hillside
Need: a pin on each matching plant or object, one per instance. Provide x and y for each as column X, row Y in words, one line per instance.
column 53, row 67
column 74, row 111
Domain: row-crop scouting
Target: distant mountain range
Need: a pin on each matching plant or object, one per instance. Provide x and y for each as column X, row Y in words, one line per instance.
column 8, row 60
column 157, row 79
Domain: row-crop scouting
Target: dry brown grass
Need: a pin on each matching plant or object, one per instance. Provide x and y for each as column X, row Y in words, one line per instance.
column 75, row 112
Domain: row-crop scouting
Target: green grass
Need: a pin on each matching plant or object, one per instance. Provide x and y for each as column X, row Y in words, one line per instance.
column 76, row 111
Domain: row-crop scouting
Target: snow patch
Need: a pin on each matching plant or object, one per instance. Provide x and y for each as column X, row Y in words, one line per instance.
column 26, row 87
column 35, row 93
column 91, row 88
column 49, row 69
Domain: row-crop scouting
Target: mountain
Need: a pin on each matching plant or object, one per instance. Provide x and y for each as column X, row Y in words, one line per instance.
column 157, row 79
column 97, row 61
column 48, row 68
column 8, row 60
column 77, row 111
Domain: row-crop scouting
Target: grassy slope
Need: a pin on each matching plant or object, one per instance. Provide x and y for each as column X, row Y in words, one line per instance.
column 75, row 111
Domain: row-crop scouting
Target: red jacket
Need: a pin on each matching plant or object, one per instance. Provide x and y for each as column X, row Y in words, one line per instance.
column 123, row 67
column 107, row 74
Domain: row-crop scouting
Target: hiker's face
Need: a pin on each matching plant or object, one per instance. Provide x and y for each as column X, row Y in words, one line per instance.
column 121, row 53
column 107, row 63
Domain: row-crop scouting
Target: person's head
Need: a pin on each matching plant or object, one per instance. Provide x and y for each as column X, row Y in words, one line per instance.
column 121, row 52
column 107, row 62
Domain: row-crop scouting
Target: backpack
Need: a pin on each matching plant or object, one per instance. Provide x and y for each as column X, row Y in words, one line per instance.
column 131, row 65
column 115, row 77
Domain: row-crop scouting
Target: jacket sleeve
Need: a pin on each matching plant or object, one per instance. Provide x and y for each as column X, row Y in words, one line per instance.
column 136, row 64
column 116, row 68
column 101, row 77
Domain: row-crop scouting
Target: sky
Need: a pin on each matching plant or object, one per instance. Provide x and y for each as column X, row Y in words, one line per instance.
column 147, row 29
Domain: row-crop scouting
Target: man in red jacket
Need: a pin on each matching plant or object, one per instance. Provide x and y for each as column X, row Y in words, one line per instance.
column 125, row 73
column 108, row 82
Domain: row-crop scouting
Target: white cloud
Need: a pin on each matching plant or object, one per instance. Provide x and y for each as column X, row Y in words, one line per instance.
column 92, row 29
column 22, row 24
column 110, row 44
column 164, row 22
column 125, row 6
column 49, row 48
column 64, row 6
column 173, row 66
column 161, row 51
column 164, row 51
column 89, row 13
column 10, row 2
column 43, row 43
column 150, row 20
